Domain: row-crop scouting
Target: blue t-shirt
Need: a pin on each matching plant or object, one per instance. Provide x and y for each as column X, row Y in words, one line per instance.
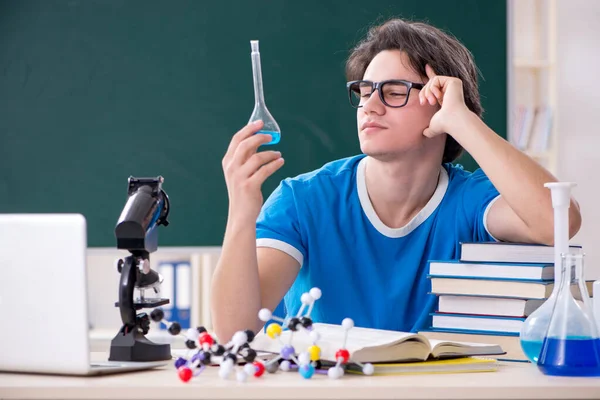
column 367, row 271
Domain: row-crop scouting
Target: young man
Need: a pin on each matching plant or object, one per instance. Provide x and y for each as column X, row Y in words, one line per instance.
column 363, row 228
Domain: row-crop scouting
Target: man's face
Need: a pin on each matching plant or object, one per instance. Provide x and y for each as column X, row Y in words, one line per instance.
column 400, row 130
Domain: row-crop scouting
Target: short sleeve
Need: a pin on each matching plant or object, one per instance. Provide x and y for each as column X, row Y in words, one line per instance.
column 278, row 225
column 478, row 197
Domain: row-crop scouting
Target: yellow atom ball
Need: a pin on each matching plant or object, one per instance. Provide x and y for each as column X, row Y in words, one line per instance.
column 315, row 353
column 274, row 330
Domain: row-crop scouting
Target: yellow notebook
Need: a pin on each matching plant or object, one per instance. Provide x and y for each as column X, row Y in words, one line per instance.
column 450, row 366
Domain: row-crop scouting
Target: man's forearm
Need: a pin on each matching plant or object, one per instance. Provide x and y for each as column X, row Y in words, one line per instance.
column 235, row 290
column 518, row 178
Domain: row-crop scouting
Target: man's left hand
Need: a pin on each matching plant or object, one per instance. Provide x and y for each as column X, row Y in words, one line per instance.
column 448, row 93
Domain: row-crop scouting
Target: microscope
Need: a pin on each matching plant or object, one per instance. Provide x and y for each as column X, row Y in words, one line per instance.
column 146, row 208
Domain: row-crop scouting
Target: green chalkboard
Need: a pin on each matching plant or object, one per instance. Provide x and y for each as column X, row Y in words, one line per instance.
column 93, row 91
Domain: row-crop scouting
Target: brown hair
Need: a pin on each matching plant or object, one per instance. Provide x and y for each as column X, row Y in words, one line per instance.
column 423, row 44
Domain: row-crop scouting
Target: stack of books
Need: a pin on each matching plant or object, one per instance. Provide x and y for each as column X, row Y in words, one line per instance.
column 486, row 296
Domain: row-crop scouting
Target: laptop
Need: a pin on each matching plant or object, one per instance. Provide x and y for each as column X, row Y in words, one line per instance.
column 43, row 298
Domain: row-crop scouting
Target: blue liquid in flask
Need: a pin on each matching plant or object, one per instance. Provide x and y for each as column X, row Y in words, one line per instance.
column 275, row 136
column 532, row 349
column 573, row 356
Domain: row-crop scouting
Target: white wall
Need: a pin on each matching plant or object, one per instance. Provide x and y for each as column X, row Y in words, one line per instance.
column 578, row 87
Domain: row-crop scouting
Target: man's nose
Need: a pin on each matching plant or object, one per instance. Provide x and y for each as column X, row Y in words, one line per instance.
column 373, row 103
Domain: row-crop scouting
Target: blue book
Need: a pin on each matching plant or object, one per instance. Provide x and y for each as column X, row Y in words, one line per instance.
column 523, row 289
column 456, row 268
column 510, row 252
column 464, row 322
column 487, row 287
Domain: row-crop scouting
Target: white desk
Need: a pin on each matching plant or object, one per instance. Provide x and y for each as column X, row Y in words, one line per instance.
column 512, row 381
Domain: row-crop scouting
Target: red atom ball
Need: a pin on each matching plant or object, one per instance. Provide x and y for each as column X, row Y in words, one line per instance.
column 205, row 338
column 343, row 354
column 260, row 368
column 185, row 374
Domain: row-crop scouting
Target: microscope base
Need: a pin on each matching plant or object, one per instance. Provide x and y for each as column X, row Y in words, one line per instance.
column 134, row 346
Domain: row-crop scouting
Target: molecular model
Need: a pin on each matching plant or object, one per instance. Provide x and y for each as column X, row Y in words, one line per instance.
column 307, row 362
column 208, row 351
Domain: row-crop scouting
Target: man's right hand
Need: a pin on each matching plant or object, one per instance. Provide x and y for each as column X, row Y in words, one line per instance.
column 246, row 169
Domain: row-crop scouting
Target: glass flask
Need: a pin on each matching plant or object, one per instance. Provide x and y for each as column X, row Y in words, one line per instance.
column 260, row 108
column 535, row 327
column 572, row 345
column 578, row 260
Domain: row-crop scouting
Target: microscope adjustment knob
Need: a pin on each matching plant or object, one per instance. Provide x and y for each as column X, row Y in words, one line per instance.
column 119, row 265
column 157, row 315
column 143, row 322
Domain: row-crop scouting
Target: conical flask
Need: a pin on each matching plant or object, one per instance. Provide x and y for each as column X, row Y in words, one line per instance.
column 536, row 325
column 571, row 346
column 260, row 108
column 578, row 260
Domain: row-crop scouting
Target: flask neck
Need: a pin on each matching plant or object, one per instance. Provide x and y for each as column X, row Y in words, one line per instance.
column 259, row 99
column 567, row 275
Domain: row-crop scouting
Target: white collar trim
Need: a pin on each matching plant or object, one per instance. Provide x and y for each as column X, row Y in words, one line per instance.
column 417, row 220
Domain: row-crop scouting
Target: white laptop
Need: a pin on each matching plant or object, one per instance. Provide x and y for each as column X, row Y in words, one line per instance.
column 43, row 297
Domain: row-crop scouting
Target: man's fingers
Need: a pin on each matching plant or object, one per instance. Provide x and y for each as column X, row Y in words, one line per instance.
column 242, row 134
column 257, row 160
column 428, row 132
column 437, row 93
column 249, row 146
column 429, row 71
column 265, row 171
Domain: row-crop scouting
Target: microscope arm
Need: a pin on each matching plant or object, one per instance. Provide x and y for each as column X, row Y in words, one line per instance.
column 126, row 287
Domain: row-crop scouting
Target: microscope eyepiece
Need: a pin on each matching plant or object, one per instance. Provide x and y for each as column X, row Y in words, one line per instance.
column 147, row 207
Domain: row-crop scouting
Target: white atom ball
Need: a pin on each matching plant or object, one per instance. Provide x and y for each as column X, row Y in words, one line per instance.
column 284, row 366
column 315, row 293
column 239, row 338
column 348, row 323
column 306, row 298
column 265, row 314
column 335, row 372
column 249, row 368
column 304, row 358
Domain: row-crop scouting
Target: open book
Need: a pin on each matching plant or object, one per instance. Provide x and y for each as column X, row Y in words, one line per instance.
column 374, row 345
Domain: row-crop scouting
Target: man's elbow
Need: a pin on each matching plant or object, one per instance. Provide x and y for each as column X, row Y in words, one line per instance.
column 574, row 222
column 547, row 236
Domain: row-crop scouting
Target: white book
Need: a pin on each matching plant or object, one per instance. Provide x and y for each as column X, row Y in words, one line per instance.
column 373, row 345
column 477, row 323
column 510, row 342
column 538, row 271
column 510, row 252
column 487, row 305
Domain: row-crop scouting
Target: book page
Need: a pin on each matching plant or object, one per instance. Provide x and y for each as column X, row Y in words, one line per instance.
column 444, row 348
column 359, row 338
column 436, row 343
column 332, row 339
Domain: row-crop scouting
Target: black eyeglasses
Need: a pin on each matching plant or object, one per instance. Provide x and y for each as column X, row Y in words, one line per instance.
column 393, row 93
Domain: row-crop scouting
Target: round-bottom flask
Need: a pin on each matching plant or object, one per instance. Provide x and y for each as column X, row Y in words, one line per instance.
column 571, row 346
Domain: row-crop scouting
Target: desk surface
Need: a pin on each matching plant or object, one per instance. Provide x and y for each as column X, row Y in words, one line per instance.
column 513, row 380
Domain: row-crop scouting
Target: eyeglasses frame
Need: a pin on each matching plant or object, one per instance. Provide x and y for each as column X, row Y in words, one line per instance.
column 376, row 86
